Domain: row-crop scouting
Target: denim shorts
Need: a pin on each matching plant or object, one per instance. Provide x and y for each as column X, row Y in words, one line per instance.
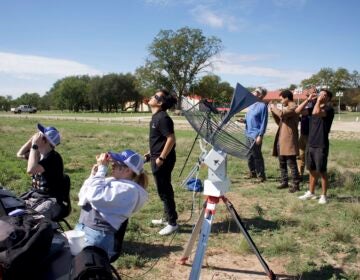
column 99, row 238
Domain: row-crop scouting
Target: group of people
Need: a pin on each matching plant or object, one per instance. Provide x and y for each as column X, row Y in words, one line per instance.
column 106, row 202
column 311, row 148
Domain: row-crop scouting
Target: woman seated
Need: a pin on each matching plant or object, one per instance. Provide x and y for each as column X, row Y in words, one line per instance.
column 46, row 168
column 106, row 203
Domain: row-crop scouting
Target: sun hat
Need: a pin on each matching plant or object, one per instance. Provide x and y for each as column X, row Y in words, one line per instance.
column 131, row 159
column 51, row 134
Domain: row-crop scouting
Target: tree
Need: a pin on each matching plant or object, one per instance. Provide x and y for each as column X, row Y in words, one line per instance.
column 292, row 87
column 45, row 102
column 324, row 78
column 118, row 90
column 96, row 94
column 28, row 98
column 341, row 80
column 176, row 57
column 355, row 79
column 71, row 93
column 5, row 103
column 210, row 86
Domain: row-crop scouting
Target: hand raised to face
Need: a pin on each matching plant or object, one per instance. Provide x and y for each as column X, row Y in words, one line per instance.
column 35, row 140
column 103, row 159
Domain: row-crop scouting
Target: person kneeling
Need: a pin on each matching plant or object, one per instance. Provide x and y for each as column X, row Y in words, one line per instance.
column 106, row 203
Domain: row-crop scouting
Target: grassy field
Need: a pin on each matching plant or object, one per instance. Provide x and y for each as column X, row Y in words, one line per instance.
column 310, row 241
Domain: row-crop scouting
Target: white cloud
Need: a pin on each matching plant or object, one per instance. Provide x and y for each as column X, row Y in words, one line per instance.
column 229, row 57
column 27, row 73
column 26, row 66
column 204, row 15
column 237, row 65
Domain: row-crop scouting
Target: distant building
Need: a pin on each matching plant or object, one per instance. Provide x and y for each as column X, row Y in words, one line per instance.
column 274, row 95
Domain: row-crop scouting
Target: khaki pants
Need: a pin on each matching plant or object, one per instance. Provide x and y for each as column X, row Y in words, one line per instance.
column 303, row 140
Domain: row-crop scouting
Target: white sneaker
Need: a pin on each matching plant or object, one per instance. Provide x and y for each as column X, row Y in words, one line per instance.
column 158, row 222
column 307, row 195
column 168, row 229
column 322, row 199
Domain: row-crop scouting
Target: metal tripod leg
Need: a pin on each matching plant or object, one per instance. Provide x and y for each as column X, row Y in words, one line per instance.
column 206, row 219
column 241, row 226
column 202, row 244
column 193, row 237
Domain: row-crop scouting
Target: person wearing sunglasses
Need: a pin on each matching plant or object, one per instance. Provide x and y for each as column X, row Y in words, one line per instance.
column 45, row 165
column 107, row 202
column 163, row 157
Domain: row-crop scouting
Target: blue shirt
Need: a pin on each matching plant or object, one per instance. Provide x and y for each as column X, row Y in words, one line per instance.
column 256, row 120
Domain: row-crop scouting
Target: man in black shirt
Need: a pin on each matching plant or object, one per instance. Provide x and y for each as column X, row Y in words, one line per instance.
column 46, row 168
column 163, row 157
column 318, row 144
column 304, row 135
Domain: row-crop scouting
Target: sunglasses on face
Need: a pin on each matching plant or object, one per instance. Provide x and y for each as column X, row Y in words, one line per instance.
column 158, row 98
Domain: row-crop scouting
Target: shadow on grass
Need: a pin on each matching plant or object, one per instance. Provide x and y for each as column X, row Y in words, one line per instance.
column 350, row 199
column 256, row 224
column 324, row 273
column 151, row 251
column 246, row 272
column 243, row 180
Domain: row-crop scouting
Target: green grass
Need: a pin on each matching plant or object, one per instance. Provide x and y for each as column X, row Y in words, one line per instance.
column 309, row 238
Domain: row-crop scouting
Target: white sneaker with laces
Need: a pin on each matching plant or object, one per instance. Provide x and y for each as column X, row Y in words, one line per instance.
column 168, row 229
column 307, row 195
column 322, row 199
column 159, row 222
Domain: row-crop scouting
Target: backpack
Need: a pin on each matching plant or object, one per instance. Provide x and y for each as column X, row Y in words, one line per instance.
column 194, row 185
column 9, row 202
column 92, row 263
column 25, row 241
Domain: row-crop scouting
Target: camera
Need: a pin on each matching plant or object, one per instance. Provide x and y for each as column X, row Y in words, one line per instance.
column 146, row 158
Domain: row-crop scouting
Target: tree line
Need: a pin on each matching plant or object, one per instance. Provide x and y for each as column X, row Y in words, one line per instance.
column 177, row 60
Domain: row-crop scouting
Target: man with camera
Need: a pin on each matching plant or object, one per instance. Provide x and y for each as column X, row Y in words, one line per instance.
column 286, row 144
column 318, row 143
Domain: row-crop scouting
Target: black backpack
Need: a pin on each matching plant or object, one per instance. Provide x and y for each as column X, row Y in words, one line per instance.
column 9, row 202
column 24, row 244
column 92, row 263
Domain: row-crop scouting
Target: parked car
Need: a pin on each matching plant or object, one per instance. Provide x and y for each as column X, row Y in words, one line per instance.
column 24, row 109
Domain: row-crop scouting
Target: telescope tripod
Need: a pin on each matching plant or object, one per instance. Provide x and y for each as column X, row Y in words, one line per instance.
column 203, row 228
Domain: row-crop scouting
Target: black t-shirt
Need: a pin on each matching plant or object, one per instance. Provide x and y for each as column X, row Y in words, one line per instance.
column 50, row 181
column 161, row 126
column 304, row 121
column 320, row 128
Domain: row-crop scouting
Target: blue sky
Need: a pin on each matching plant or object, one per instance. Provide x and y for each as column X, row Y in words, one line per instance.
column 270, row 43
